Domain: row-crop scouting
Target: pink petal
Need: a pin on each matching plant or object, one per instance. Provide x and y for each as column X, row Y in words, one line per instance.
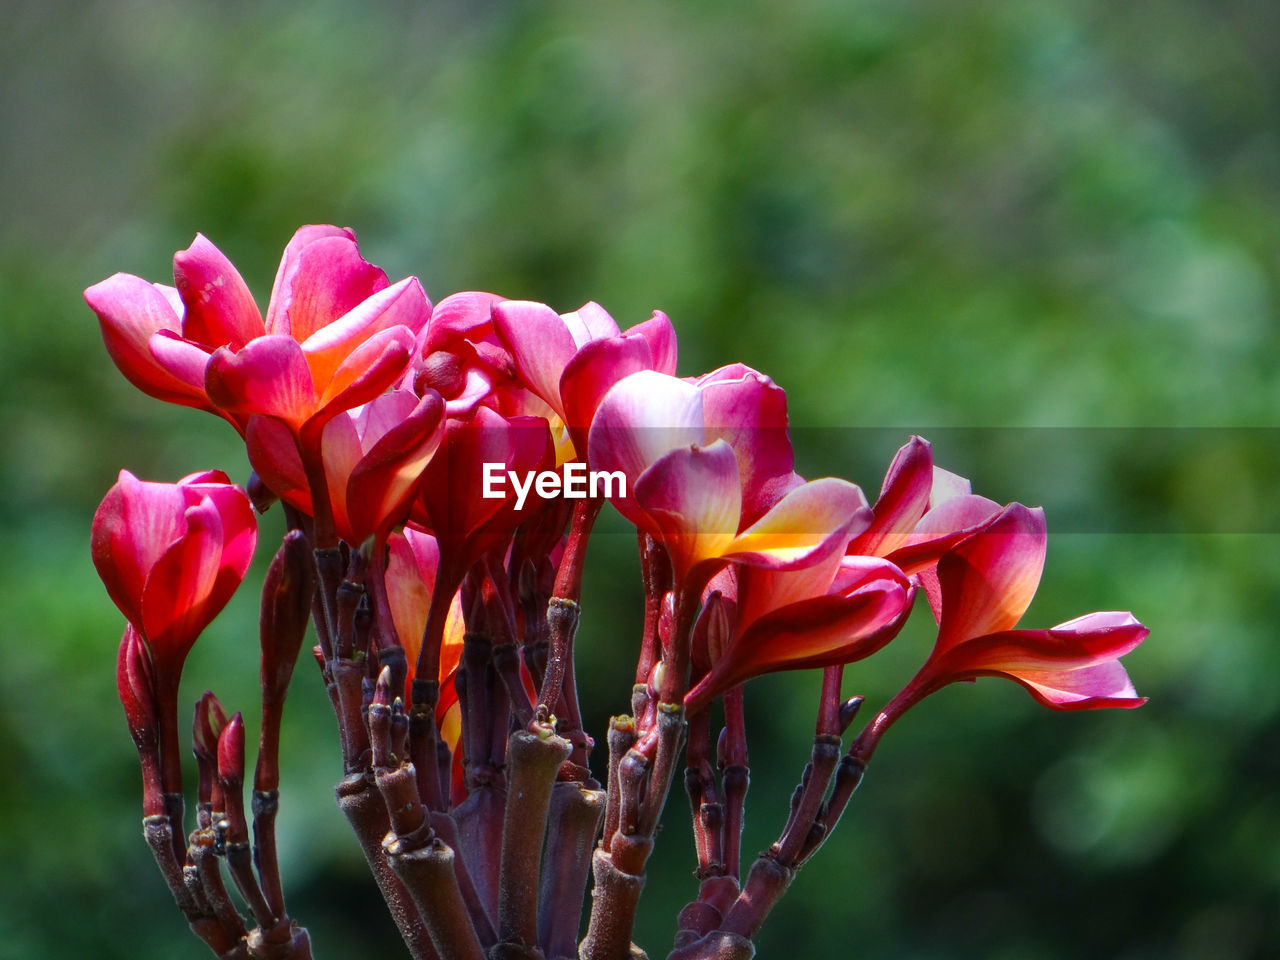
column 641, row 418
column 340, row 452
column 319, row 281
column 130, row 310
column 460, row 316
column 591, row 373
column 903, row 500
column 541, row 344
column 280, row 295
column 808, row 523
column 947, row 486
column 658, row 332
column 1083, row 642
column 1090, row 688
column 749, row 410
column 132, row 528
column 269, row 376
column 590, row 322
column 183, row 359
column 384, row 481
column 220, row 311
column 690, row 500
column 988, row 580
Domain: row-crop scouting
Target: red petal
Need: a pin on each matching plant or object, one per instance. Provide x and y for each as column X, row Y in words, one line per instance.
column 386, row 478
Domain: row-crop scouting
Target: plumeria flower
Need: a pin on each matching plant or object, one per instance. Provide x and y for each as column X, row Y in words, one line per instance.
column 336, row 335
column 171, row 555
column 986, row 584
column 709, row 474
column 826, row 614
column 209, row 307
column 373, row 458
column 571, row 360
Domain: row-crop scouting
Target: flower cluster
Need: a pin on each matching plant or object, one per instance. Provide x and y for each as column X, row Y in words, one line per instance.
column 446, row 606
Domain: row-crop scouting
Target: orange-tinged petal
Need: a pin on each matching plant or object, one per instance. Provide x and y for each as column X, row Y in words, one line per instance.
column 691, row 499
column 403, row 304
column 808, row 523
column 988, row 580
column 368, row 371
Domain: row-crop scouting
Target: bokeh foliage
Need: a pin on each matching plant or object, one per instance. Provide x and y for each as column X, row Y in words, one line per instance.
column 928, row 216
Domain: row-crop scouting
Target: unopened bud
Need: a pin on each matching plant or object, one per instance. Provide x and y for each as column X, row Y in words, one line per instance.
column 231, row 751
column 136, row 687
column 848, row 711
column 287, row 594
column 260, row 495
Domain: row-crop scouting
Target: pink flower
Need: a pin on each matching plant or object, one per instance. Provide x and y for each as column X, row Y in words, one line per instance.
column 171, row 555
column 336, row 336
column 818, row 616
column 709, row 474
column 985, row 585
column 336, row 333
column 373, row 458
column 210, row 307
column 570, row 361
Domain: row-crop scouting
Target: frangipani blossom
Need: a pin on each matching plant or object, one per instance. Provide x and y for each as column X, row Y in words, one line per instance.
column 709, row 474
column 458, row 355
column 171, row 555
column 986, row 584
column 373, row 459
column 160, row 337
column 811, row 617
column 571, row 360
column 411, row 571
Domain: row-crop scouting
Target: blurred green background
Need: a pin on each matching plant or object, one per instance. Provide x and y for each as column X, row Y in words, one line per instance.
column 927, row 216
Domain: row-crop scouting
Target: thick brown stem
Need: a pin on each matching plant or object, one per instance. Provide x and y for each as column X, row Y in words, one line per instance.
column 613, row 912
column 427, row 872
column 574, row 820
column 367, row 814
column 533, row 757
